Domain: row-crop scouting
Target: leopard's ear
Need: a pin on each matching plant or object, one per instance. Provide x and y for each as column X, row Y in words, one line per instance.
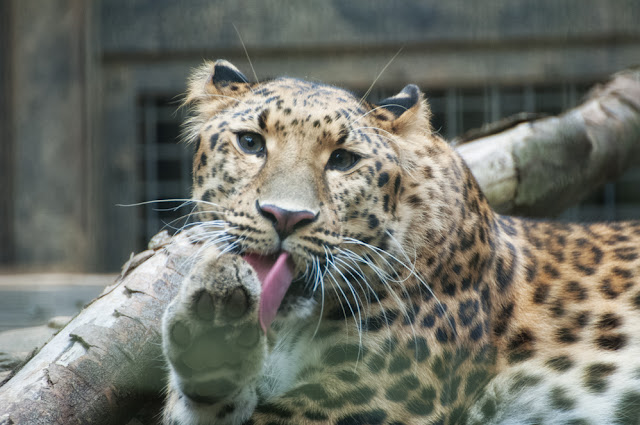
column 407, row 111
column 215, row 83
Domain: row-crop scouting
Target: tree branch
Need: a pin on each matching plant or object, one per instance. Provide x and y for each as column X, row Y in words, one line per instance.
column 541, row 167
column 107, row 361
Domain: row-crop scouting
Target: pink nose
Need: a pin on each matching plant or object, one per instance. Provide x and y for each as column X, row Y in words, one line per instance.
column 286, row 221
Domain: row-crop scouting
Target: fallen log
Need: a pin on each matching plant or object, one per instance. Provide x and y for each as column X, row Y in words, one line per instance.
column 542, row 167
column 107, row 362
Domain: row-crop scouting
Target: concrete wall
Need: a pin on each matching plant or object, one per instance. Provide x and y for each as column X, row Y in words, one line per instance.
column 445, row 42
column 137, row 26
column 6, row 144
column 48, row 96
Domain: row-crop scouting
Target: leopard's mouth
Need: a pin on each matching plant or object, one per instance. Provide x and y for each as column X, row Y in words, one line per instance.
column 282, row 288
column 276, row 273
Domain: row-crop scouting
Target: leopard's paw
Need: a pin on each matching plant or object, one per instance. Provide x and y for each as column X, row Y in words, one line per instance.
column 213, row 341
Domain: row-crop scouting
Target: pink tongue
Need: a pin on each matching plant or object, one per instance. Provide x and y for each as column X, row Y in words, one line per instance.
column 276, row 275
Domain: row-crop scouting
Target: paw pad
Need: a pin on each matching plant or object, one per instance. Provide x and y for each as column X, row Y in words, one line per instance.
column 204, row 306
column 249, row 337
column 180, row 334
column 236, row 304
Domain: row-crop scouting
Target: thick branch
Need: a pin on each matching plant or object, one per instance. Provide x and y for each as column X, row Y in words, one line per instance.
column 106, row 362
column 541, row 167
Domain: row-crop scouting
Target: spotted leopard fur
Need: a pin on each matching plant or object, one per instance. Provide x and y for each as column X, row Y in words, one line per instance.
column 414, row 303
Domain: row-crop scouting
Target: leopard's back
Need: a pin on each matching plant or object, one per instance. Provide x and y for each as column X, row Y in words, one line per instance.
column 569, row 339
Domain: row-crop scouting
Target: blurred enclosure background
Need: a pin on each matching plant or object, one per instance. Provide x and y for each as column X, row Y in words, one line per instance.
column 89, row 93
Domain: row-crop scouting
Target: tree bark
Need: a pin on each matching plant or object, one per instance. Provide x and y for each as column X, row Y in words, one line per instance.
column 540, row 168
column 107, row 362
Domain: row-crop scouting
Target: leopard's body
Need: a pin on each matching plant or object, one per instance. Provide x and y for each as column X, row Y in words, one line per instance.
column 414, row 303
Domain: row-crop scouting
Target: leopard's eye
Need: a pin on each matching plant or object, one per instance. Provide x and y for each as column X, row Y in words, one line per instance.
column 342, row 160
column 251, row 143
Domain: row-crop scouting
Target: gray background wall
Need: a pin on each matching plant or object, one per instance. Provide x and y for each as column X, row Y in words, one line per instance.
column 75, row 76
column 6, row 144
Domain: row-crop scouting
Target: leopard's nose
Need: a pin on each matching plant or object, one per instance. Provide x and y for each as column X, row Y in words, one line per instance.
column 286, row 221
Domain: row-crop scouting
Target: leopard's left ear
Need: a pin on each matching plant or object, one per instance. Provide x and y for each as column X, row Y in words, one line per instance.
column 409, row 111
column 215, row 83
column 212, row 87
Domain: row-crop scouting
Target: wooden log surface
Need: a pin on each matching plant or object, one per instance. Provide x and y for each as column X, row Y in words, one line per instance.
column 106, row 363
column 541, row 167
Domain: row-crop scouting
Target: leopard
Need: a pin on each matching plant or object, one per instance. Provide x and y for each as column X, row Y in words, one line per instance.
column 351, row 271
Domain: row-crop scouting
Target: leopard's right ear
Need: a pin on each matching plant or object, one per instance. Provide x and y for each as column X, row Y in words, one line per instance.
column 214, row 84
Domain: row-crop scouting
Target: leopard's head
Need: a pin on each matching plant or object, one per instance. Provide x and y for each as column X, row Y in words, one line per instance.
column 345, row 188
